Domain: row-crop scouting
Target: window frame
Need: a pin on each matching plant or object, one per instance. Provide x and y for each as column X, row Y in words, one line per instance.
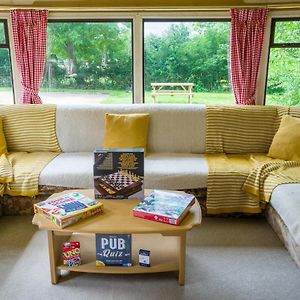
column 105, row 20
column 272, row 44
column 6, row 45
column 173, row 19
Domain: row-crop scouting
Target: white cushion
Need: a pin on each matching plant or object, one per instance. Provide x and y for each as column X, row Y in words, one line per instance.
column 162, row 171
column 286, row 201
column 175, row 171
column 173, row 128
column 69, row 170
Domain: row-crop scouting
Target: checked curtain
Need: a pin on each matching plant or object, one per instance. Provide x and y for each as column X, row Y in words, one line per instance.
column 246, row 41
column 30, row 34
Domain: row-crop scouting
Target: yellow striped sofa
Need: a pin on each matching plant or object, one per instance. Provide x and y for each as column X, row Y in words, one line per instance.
column 181, row 139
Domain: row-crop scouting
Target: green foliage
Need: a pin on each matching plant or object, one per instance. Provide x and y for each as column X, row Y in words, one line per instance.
column 197, row 54
column 2, row 33
column 287, row 32
column 5, row 70
column 284, row 71
column 88, row 55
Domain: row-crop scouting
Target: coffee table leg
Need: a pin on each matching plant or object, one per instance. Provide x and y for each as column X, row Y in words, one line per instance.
column 182, row 249
column 53, row 256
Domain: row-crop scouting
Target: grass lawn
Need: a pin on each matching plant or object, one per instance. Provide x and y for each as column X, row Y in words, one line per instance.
column 121, row 97
column 198, row 98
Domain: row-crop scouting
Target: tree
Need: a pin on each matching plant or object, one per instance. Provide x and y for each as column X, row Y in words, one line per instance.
column 189, row 52
column 284, row 72
column 89, row 55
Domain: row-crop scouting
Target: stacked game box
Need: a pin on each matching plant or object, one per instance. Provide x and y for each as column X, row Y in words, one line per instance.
column 165, row 207
column 113, row 250
column 68, row 209
column 119, row 173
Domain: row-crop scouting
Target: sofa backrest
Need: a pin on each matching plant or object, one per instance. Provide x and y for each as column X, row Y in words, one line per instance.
column 243, row 128
column 173, row 128
column 240, row 129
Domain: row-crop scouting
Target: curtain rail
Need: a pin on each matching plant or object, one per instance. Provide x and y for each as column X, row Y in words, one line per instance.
column 153, row 9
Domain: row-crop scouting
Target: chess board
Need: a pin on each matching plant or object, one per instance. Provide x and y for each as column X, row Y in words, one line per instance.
column 118, row 183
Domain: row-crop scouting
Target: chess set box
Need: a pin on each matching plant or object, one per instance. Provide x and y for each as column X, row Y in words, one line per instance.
column 166, row 207
column 113, row 250
column 68, row 209
column 119, row 173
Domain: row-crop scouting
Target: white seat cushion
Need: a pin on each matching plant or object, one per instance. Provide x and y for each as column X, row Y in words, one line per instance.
column 175, row 171
column 162, row 171
column 69, row 170
column 286, row 201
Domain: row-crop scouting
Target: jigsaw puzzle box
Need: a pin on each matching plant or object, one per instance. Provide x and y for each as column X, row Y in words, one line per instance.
column 119, row 173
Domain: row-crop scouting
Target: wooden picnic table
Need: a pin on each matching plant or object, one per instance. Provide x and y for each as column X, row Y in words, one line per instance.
column 158, row 88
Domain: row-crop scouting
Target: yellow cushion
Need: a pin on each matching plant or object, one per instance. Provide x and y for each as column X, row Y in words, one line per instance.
column 3, row 146
column 286, row 142
column 126, row 131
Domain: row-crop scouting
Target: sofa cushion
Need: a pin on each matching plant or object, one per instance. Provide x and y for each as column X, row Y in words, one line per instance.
column 286, row 142
column 30, row 128
column 162, row 171
column 285, row 200
column 175, row 171
column 240, row 128
column 69, row 170
column 126, row 131
column 172, row 128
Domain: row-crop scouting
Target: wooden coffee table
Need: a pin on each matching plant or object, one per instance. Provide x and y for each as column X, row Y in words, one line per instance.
column 167, row 243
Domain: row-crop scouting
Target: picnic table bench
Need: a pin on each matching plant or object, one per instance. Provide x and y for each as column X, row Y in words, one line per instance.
column 158, row 88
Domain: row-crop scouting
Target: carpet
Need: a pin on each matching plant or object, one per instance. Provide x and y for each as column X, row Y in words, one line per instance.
column 227, row 258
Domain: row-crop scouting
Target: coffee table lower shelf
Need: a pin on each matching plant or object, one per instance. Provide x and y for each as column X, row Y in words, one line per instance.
column 165, row 254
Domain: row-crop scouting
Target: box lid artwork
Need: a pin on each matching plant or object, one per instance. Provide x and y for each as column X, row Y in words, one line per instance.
column 164, row 206
column 119, row 173
column 68, row 209
column 113, row 250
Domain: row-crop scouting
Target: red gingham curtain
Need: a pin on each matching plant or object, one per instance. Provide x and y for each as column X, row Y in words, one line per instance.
column 246, row 41
column 30, row 34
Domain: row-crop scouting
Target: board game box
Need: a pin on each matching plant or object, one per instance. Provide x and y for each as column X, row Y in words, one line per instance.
column 113, row 250
column 119, row 173
column 165, row 207
column 68, row 209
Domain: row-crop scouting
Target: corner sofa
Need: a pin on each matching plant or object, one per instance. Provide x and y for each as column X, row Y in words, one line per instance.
column 175, row 160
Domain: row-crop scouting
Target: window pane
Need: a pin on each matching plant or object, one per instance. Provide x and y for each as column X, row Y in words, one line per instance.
column 287, row 32
column 188, row 52
column 284, row 77
column 2, row 34
column 88, row 62
column 6, row 91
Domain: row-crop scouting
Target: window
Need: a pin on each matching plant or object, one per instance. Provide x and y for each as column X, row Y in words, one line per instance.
column 188, row 51
column 6, row 90
column 284, row 60
column 88, row 61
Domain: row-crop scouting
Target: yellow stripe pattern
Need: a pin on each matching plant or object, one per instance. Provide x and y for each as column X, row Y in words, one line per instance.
column 240, row 129
column 232, row 134
column 227, row 174
column 30, row 128
column 263, row 179
column 19, row 172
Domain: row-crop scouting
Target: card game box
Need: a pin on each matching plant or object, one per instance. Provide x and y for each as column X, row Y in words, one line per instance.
column 113, row 250
column 68, row 209
column 119, row 173
column 71, row 254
